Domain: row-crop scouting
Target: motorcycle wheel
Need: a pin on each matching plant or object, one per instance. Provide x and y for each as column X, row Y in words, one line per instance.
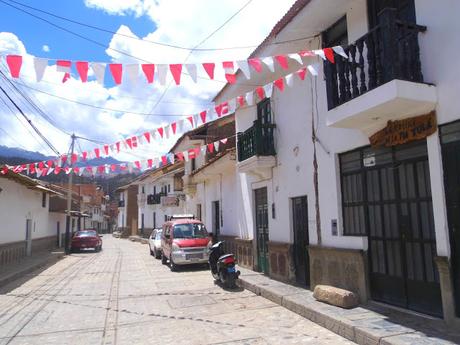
column 230, row 282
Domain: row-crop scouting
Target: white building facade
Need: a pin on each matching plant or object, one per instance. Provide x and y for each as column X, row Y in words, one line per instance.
column 378, row 221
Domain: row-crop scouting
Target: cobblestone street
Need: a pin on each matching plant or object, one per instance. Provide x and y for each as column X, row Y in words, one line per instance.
column 124, row 296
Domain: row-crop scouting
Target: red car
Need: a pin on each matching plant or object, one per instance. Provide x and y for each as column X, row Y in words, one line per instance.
column 86, row 239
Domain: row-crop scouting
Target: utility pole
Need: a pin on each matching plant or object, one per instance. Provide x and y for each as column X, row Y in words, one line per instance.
column 69, row 199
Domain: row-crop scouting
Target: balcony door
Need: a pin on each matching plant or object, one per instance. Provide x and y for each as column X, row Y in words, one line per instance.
column 405, row 10
column 261, row 208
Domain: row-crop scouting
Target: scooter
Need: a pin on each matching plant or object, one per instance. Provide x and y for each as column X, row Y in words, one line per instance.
column 223, row 266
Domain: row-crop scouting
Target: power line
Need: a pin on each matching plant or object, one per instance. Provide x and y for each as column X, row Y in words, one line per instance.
column 145, row 40
column 48, row 143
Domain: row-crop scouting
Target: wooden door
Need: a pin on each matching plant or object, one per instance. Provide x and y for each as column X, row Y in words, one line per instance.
column 301, row 240
column 261, row 210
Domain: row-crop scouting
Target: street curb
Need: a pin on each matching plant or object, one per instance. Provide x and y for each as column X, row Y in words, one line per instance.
column 360, row 325
column 18, row 274
column 138, row 239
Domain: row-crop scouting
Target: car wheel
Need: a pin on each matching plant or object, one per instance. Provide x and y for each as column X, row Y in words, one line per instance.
column 151, row 252
column 157, row 254
column 172, row 265
column 163, row 260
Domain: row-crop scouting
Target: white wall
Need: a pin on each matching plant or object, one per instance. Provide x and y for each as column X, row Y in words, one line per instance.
column 17, row 204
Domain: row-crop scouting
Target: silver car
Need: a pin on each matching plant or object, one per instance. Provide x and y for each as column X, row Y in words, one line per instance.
column 155, row 243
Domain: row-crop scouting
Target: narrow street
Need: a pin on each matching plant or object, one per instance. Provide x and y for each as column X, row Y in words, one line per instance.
column 124, row 296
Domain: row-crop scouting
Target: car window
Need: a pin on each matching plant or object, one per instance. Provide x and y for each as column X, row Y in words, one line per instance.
column 158, row 235
column 190, row 231
column 86, row 233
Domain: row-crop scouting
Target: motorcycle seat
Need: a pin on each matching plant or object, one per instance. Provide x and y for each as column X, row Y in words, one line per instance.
column 225, row 256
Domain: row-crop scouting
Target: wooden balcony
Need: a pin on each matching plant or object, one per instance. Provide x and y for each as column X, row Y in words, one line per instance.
column 256, row 141
column 381, row 79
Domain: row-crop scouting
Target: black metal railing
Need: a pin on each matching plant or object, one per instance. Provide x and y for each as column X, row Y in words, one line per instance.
column 155, row 199
column 389, row 51
column 121, row 203
column 256, row 141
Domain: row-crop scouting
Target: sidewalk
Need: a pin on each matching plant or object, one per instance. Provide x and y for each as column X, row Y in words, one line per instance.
column 368, row 324
column 28, row 265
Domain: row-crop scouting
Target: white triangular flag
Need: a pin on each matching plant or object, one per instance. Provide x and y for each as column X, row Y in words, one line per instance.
column 180, row 126
column 94, row 170
column 140, row 139
column 216, row 145
column 313, row 69
column 268, row 89
column 107, row 168
column 185, row 154
column 132, row 70
column 269, row 62
column 81, row 171
column 203, row 149
column 339, row 50
column 40, row 65
column 191, row 70
column 196, row 120
column 68, row 170
column 153, row 135
column 244, row 67
column 156, row 160
column 232, row 106
column 99, row 71
column 250, row 98
column 39, row 172
column 130, row 167
column 296, row 57
column 50, row 170
column 162, row 70
column 172, row 158
column 289, row 80
column 320, row 52
column 166, row 131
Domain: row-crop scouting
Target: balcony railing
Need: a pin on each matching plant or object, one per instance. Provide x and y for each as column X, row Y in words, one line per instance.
column 387, row 52
column 256, row 141
column 155, row 199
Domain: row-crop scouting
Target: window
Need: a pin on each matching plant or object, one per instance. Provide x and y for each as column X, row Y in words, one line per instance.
column 264, row 114
column 154, row 189
column 337, row 34
column 193, row 162
column 166, row 218
column 154, row 220
column 143, row 189
column 169, row 188
column 142, row 221
column 190, row 231
column 198, row 211
column 43, row 199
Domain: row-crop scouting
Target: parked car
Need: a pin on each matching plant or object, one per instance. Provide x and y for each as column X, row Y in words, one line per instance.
column 184, row 242
column 86, row 239
column 155, row 243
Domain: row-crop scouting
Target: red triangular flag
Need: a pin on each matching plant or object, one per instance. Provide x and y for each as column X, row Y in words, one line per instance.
column 203, row 116
column 149, row 71
column 138, row 164
column 164, row 160
column 101, row 169
column 231, row 78
column 160, row 131
column 66, row 77
column 329, row 53
column 74, row 158
column 14, row 63
column 174, row 127
column 117, row 71
column 302, row 73
column 209, row 68
column 279, row 83
column 113, row 167
column 76, row 170
column 176, row 70
column 190, row 119
column 240, row 100
column 149, row 162
column 218, row 109
column 211, row 147
column 118, row 146
column 63, row 159
column 129, row 143
column 282, row 60
column 50, row 163
column 82, row 69
column 57, row 170
column 41, row 165
column 106, row 149
column 147, row 136
column 4, row 170
column 134, row 141
column 97, row 152
column 260, row 92
column 256, row 64
column 305, row 53
column 32, row 168
column 180, row 156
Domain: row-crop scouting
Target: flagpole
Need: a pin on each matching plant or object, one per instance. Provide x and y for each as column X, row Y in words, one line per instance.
column 69, row 198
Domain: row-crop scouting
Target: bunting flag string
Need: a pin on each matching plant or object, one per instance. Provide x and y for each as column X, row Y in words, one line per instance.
column 158, row 72
column 190, row 122
column 50, row 167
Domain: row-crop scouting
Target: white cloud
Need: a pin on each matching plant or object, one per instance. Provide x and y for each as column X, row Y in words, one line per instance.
column 46, row 48
column 177, row 22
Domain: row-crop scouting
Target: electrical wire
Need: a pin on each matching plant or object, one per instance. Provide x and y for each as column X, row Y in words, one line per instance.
column 145, row 40
column 12, row 138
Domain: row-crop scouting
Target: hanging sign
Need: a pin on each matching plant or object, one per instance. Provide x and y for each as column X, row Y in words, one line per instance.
column 403, row 131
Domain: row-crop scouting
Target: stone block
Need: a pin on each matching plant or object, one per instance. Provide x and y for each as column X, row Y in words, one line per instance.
column 335, row 296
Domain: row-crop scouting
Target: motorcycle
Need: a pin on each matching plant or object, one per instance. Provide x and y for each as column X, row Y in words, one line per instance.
column 223, row 266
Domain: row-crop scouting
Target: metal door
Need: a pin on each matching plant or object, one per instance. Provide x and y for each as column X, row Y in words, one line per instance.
column 301, row 240
column 261, row 206
column 216, row 219
column 450, row 136
column 28, row 237
column 402, row 243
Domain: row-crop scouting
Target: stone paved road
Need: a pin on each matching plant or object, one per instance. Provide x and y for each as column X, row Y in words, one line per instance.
column 124, row 296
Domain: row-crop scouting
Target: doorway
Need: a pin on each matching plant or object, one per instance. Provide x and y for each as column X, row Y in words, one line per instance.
column 216, row 220
column 28, row 237
column 261, row 208
column 450, row 139
column 301, row 240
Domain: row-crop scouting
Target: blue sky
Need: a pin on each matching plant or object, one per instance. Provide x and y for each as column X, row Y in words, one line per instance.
column 35, row 33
